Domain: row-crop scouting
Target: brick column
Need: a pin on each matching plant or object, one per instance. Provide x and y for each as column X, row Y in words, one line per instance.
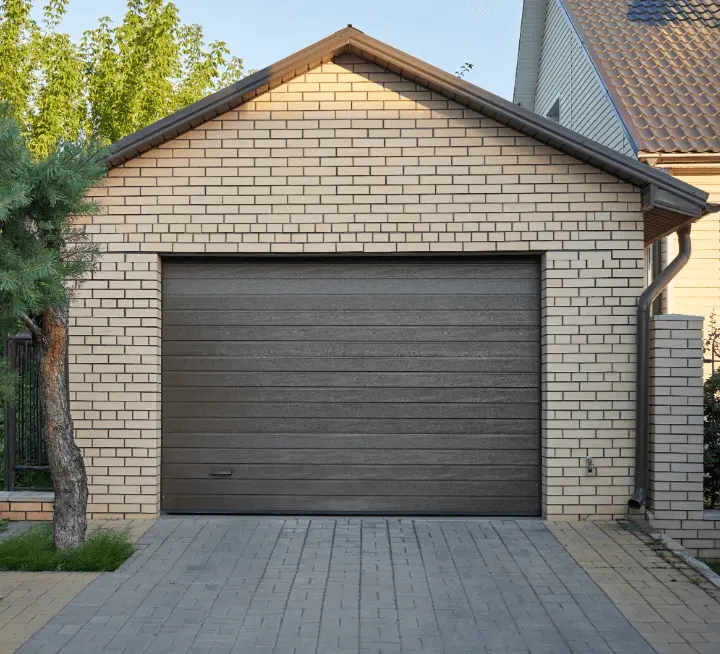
column 675, row 497
column 115, row 384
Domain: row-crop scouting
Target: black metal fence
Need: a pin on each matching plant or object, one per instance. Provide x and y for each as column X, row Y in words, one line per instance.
column 25, row 458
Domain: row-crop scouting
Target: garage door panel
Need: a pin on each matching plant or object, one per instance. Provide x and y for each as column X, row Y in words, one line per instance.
column 328, row 443
column 348, row 488
column 349, row 380
column 524, row 365
column 408, row 386
column 359, row 302
column 378, row 287
column 361, row 333
column 359, row 472
column 395, row 271
column 475, row 462
column 200, row 394
column 407, row 351
column 348, row 425
column 344, row 505
column 465, row 318
column 303, row 410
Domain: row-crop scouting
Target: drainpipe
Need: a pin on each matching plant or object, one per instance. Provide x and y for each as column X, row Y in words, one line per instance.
column 642, row 405
column 656, row 249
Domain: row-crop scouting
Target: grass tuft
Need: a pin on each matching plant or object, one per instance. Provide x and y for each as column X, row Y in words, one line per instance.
column 33, row 551
column 715, row 565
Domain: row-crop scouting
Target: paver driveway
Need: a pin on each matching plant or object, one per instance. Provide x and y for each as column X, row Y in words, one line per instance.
column 216, row 585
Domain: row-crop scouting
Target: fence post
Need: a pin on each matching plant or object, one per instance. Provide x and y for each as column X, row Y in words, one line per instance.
column 675, row 495
column 10, row 424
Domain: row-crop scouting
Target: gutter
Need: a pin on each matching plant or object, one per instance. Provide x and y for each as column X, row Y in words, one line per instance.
column 679, row 158
column 642, row 402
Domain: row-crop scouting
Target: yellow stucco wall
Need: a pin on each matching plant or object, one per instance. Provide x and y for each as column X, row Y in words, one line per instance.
column 696, row 290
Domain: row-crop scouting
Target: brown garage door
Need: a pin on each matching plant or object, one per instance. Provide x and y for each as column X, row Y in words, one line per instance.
column 396, row 386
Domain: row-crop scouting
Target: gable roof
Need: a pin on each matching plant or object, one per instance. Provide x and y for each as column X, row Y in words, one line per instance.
column 659, row 60
column 669, row 202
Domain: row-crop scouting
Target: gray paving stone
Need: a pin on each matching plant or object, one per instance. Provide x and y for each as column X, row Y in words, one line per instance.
column 217, row 585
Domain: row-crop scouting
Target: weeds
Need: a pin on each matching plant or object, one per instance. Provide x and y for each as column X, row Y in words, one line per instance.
column 103, row 551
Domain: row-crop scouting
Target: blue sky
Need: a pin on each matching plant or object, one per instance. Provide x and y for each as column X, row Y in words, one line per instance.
column 445, row 33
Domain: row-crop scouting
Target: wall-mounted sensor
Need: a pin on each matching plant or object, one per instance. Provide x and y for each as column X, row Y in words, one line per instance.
column 590, row 465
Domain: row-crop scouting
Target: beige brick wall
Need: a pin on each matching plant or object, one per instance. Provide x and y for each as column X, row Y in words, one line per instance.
column 351, row 158
column 676, row 418
column 115, row 381
column 675, row 497
column 26, row 509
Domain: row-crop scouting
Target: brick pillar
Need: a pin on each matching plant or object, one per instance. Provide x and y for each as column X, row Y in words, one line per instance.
column 675, row 496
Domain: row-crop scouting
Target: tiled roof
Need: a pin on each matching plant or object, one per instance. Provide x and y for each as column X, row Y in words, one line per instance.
column 660, row 60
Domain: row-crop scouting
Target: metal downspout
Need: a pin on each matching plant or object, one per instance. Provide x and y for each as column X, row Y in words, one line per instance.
column 657, row 263
column 642, row 402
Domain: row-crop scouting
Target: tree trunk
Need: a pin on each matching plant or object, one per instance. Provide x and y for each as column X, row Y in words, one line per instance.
column 67, row 467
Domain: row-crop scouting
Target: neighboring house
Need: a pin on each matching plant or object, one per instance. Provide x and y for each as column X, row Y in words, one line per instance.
column 354, row 283
column 642, row 77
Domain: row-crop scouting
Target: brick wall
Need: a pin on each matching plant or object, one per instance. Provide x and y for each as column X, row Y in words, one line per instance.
column 675, row 497
column 352, row 158
column 18, row 505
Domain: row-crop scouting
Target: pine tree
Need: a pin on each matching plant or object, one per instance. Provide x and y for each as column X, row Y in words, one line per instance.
column 43, row 253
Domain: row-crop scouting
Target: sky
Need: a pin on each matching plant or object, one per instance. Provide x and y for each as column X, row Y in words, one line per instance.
column 446, row 33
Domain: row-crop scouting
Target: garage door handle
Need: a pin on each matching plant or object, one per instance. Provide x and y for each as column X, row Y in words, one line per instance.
column 221, row 473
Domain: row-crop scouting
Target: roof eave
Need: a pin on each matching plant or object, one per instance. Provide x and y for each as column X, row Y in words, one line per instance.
column 664, row 213
column 532, row 30
column 684, row 158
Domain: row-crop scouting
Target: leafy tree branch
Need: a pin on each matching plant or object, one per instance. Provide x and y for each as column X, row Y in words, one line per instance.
column 117, row 80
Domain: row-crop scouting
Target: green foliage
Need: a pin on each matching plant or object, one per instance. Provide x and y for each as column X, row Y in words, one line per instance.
column 118, row 79
column 464, row 70
column 18, row 32
column 59, row 107
column 43, row 250
column 712, row 441
column 41, row 74
column 712, row 420
column 7, row 390
column 103, row 551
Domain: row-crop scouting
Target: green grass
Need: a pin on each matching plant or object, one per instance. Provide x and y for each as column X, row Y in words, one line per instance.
column 103, row 551
column 4, row 524
column 715, row 565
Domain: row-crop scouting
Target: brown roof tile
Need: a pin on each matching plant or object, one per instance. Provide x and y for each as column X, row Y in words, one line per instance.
column 660, row 60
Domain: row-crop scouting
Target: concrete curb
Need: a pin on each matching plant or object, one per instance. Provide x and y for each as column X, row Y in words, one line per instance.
column 17, row 527
column 682, row 553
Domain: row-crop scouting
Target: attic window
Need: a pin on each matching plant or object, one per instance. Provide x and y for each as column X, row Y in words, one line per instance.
column 554, row 113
